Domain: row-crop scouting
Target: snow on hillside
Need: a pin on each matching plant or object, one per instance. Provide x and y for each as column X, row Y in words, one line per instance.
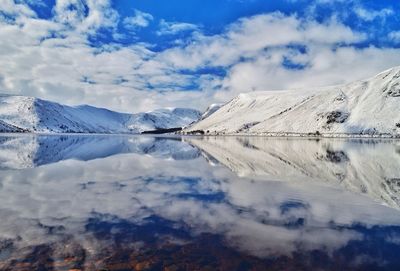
column 19, row 113
column 369, row 107
column 162, row 119
column 7, row 128
column 211, row 110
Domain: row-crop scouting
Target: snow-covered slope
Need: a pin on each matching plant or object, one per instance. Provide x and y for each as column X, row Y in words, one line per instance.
column 211, row 110
column 21, row 113
column 7, row 128
column 369, row 107
column 162, row 119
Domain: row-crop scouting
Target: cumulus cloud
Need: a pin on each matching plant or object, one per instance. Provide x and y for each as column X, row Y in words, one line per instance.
column 254, row 49
column 370, row 15
column 172, row 28
column 324, row 67
column 141, row 19
column 70, row 12
column 9, row 7
column 251, row 38
column 86, row 16
column 394, row 36
column 54, row 59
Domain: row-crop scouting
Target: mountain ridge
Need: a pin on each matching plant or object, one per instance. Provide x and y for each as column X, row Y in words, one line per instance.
column 29, row 114
column 368, row 107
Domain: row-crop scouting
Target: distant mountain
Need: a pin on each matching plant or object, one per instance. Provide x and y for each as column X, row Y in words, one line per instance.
column 21, row 113
column 368, row 107
column 162, row 119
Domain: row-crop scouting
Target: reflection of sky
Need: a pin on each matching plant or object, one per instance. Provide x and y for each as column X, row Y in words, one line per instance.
column 182, row 200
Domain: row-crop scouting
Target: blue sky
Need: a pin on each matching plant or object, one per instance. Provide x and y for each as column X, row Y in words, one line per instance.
column 139, row 55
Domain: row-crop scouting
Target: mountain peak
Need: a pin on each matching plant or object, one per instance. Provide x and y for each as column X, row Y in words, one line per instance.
column 22, row 113
column 366, row 108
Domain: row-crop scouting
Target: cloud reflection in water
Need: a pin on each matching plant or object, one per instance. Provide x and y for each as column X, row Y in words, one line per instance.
column 105, row 201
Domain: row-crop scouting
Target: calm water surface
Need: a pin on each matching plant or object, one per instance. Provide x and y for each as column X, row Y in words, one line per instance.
column 227, row 203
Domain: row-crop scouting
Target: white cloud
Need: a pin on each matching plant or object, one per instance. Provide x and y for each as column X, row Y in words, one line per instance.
column 394, row 36
column 50, row 58
column 253, row 50
column 86, row 16
column 325, row 67
column 173, row 28
column 100, row 15
column 370, row 15
column 249, row 37
column 9, row 7
column 141, row 19
column 71, row 12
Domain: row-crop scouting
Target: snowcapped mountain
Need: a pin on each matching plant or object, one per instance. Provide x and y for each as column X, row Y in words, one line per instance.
column 210, row 110
column 162, row 119
column 21, row 113
column 369, row 107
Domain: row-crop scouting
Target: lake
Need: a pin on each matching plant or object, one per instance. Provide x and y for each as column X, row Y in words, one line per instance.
column 92, row 202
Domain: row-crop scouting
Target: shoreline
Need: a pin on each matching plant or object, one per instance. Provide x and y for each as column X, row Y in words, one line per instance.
column 295, row 135
column 266, row 135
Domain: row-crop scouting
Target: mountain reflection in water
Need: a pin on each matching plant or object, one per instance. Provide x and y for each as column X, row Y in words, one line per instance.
column 228, row 203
